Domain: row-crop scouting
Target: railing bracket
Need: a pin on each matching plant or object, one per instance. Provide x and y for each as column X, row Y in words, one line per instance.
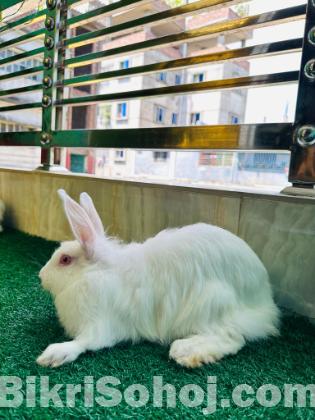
column 300, row 190
column 45, row 138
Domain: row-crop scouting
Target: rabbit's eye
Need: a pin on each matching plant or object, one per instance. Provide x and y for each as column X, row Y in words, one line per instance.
column 65, row 260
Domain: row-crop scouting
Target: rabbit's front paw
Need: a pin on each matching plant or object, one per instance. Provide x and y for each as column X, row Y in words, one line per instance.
column 199, row 350
column 57, row 354
column 186, row 353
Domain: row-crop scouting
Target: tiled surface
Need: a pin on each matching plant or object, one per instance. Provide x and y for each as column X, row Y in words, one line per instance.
column 283, row 236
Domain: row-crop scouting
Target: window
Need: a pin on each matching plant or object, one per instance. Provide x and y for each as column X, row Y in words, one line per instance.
column 174, row 118
column 120, row 158
column 163, row 77
column 119, row 155
column 234, row 119
column 124, row 65
column 106, row 70
column 194, row 118
column 216, row 159
column 57, row 155
column 34, row 63
column 122, row 110
column 159, row 115
column 9, row 54
column 79, row 117
column 198, row 77
column 264, row 160
column 11, row 127
column 82, row 50
column 104, row 114
column 160, row 156
column 23, row 66
column 177, row 79
column 275, row 162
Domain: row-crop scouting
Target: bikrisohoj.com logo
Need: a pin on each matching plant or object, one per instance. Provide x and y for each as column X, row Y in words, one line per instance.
column 36, row 391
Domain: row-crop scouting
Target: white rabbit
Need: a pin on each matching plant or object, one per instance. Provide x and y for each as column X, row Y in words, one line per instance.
column 200, row 287
column 2, row 209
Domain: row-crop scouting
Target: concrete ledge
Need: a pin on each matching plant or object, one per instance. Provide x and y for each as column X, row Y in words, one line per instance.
column 288, row 194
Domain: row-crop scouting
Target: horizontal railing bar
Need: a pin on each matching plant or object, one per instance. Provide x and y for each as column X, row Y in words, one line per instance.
column 21, row 57
column 215, row 85
column 30, row 19
column 210, row 31
column 236, row 137
column 222, row 137
column 22, row 73
column 104, row 11
column 22, row 39
column 169, row 15
column 20, row 107
column 20, row 138
column 18, row 91
column 6, row 4
column 75, row 3
column 257, row 51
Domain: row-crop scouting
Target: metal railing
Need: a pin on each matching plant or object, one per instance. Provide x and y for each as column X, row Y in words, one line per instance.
column 297, row 137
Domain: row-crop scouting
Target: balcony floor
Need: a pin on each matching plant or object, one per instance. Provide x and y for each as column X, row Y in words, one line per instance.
column 28, row 323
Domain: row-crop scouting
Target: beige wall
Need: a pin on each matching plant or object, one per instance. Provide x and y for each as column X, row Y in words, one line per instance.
column 280, row 229
column 131, row 210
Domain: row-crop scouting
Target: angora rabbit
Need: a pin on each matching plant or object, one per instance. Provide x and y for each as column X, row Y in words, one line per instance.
column 2, row 209
column 199, row 287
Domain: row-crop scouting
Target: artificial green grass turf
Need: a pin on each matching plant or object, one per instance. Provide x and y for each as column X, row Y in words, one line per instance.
column 28, row 324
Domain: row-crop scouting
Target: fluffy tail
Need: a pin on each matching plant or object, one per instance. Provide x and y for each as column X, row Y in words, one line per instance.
column 257, row 323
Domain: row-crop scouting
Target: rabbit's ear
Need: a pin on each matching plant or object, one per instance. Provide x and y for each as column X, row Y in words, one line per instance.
column 80, row 223
column 87, row 203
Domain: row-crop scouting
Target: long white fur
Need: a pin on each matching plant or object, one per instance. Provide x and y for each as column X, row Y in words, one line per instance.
column 199, row 287
column 2, row 209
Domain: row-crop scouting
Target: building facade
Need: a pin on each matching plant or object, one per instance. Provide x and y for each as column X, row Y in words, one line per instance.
column 199, row 109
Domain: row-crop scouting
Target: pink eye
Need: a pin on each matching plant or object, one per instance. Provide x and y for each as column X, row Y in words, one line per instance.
column 65, row 260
